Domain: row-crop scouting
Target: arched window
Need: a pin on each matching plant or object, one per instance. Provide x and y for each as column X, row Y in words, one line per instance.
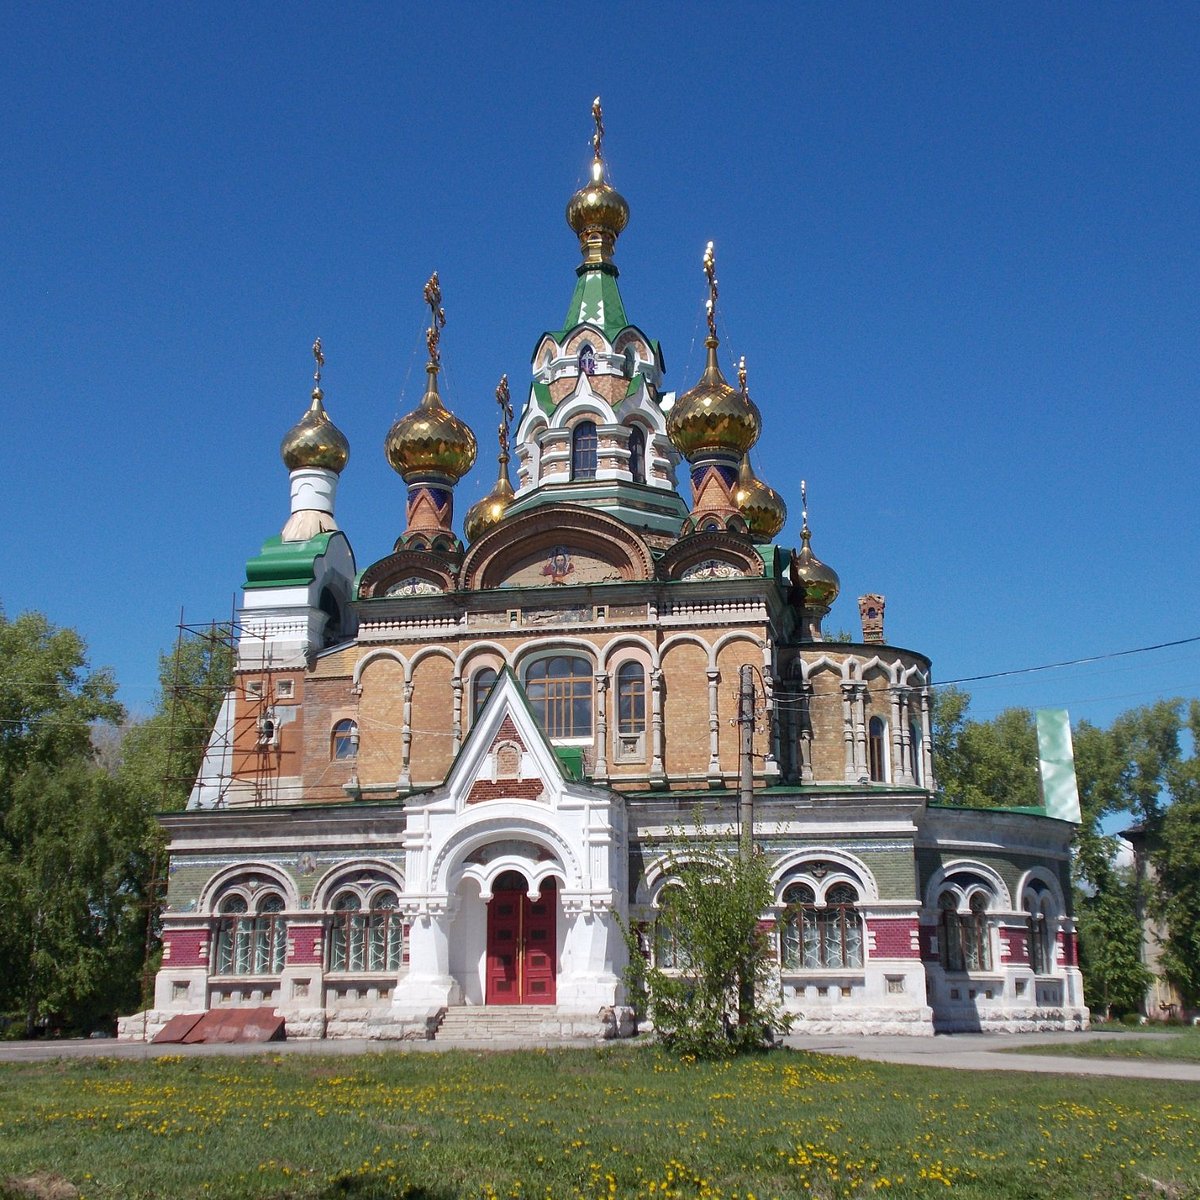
column 345, row 741
column 877, row 750
column 670, row 951
column 587, row 360
column 1041, row 933
column 914, row 750
column 631, row 698
column 251, row 943
column 583, row 450
column 965, row 945
column 560, row 693
column 822, row 936
column 365, row 940
column 637, row 454
column 481, row 685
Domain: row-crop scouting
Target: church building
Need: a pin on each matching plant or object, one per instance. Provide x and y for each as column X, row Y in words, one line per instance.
column 443, row 782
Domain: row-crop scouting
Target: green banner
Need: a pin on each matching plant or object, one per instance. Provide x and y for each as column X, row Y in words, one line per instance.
column 1056, row 765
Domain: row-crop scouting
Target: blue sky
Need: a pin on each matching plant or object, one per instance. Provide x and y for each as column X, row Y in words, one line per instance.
column 959, row 246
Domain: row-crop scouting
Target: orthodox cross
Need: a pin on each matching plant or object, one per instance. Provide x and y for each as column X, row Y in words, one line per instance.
column 804, row 505
column 437, row 318
column 319, row 358
column 598, row 136
column 710, row 273
column 506, row 415
column 742, row 374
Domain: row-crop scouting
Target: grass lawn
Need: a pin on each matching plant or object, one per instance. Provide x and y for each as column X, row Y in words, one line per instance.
column 611, row 1122
column 1171, row 1043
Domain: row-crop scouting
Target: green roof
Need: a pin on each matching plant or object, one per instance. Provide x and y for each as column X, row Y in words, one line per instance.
column 596, row 301
column 286, row 564
column 541, row 395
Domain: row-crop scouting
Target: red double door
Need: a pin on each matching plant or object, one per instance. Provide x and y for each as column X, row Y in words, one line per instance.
column 520, row 942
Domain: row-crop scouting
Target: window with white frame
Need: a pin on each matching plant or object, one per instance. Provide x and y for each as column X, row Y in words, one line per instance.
column 877, row 750
column 584, row 447
column 250, row 940
column 481, row 684
column 964, row 940
column 821, row 936
column 344, row 741
column 560, row 694
column 366, row 934
column 1040, row 930
column 670, row 950
column 637, row 454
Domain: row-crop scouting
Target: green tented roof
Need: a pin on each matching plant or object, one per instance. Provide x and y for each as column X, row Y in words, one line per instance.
column 286, row 564
column 596, row 301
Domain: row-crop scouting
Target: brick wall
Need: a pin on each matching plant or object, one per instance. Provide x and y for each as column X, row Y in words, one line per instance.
column 185, row 947
column 305, row 945
column 893, row 937
column 685, row 711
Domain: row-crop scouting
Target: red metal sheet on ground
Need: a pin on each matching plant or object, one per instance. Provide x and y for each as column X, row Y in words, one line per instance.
column 238, row 1025
column 177, row 1028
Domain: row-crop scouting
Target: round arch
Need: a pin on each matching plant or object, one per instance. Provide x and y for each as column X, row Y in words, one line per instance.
column 229, row 879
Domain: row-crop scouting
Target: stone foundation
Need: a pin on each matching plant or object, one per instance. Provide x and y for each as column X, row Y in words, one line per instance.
column 856, row 1021
column 1015, row 1020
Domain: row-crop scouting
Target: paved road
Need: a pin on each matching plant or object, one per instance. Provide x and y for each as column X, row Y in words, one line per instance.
column 960, row 1051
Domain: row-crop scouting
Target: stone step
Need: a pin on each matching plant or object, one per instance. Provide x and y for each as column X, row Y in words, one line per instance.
column 516, row 1022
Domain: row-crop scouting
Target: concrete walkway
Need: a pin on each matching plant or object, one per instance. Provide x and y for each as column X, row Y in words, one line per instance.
column 987, row 1052
column 959, row 1051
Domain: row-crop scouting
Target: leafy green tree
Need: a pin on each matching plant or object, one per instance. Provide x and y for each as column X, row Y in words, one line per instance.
column 984, row 764
column 717, row 996
column 1175, row 859
column 161, row 756
column 68, row 857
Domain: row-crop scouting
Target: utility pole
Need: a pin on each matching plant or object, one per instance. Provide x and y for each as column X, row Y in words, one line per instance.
column 746, row 762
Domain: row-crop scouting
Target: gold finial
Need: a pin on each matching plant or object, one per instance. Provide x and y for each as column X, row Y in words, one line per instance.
column 742, row 374
column 319, row 358
column 598, row 136
column 710, row 273
column 803, row 507
column 506, row 415
column 437, row 318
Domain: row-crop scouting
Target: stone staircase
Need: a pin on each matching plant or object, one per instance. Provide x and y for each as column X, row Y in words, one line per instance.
column 517, row 1025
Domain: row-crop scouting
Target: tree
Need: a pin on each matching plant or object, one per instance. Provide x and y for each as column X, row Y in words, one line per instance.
column 984, row 764
column 161, row 756
column 710, row 989
column 68, row 861
column 1175, row 858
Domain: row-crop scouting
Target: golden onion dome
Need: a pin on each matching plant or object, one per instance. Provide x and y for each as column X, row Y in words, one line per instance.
column 431, row 438
column 759, row 503
column 488, row 512
column 820, row 582
column 597, row 213
column 713, row 415
column 315, row 441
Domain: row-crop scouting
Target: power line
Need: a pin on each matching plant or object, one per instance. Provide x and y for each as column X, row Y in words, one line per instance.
column 1071, row 662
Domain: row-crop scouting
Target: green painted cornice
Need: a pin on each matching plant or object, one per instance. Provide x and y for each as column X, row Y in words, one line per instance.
column 286, row 564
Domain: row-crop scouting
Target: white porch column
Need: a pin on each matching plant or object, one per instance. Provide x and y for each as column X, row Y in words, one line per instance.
column 848, row 731
column 428, row 984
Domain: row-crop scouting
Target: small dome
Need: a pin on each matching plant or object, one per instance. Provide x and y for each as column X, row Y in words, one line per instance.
column 430, row 438
column 315, row 441
column 759, row 503
column 486, row 513
column 821, row 583
column 597, row 207
column 713, row 415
